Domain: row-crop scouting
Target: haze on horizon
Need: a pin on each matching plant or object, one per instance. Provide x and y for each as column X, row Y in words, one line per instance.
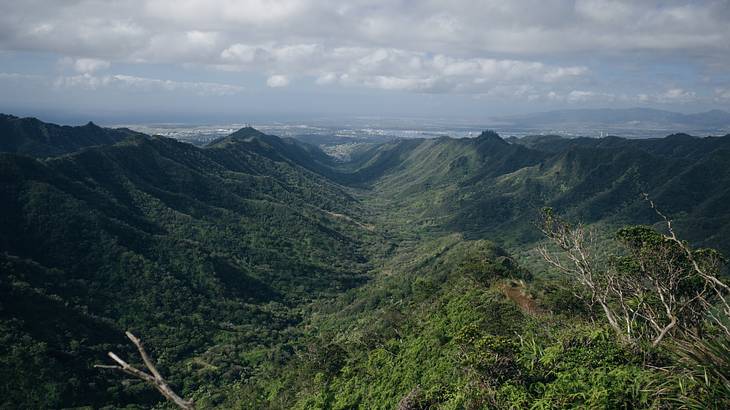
column 170, row 60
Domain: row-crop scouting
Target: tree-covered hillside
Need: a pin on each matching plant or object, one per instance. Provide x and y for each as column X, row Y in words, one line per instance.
column 261, row 273
column 487, row 187
column 32, row 137
column 207, row 253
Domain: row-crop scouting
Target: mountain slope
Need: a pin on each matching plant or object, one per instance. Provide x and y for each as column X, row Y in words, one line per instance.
column 263, row 274
column 196, row 250
column 451, row 320
column 29, row 136
column 277, row 149
column 487, row 187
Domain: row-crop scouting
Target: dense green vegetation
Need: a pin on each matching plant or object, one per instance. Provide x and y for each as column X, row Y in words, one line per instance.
column 460, row 325
column 487, row 187
column 263, row 274
column 30, row 136
column 207, row 254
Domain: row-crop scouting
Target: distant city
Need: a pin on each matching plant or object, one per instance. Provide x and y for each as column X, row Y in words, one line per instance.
column 378, row 129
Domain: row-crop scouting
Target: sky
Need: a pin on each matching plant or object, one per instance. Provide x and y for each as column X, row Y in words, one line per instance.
column 239, row 60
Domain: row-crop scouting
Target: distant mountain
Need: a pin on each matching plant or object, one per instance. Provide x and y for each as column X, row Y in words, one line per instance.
column 30, row 136
column 622, row 118
column 277, row 149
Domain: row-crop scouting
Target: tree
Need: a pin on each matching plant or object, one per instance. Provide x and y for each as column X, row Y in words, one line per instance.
column 658, row 287
column 719, row 290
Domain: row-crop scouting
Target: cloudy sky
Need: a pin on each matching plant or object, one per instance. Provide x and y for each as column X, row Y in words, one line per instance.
column 198, row 60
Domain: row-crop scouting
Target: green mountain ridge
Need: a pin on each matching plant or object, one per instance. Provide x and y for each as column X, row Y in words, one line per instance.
column 261, row 273
column 30, row 136
column 150, row 232
column 488, row 187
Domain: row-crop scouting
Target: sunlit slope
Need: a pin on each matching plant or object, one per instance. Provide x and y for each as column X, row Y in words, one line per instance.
column 489, row 187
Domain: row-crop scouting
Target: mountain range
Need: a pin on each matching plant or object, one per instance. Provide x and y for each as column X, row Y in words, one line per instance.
column 623, row 119
column 263, row 273
column 31, row 136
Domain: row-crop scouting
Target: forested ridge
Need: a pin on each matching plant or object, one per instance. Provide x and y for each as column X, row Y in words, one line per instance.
column 261, row 273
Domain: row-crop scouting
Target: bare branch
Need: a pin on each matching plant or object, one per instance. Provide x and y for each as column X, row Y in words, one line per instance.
column 155, row 378
column 145, row 356
column 719, row 288
column 650, row 294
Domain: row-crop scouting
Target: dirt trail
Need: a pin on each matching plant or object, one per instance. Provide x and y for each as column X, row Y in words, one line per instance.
column 515, row 291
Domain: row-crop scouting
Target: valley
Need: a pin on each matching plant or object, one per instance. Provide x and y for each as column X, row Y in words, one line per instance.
column 263, row 273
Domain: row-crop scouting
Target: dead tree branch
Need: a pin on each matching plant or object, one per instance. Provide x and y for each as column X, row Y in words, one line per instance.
column 578, row 262
column 660, row 287
column 719, row 288
column 155, row 378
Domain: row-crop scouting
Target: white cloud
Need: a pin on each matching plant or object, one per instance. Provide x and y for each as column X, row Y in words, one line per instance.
column 604, row 11
column 326, row 78
column 399, row 83
column 192, row 46
column 240, row 54
column 276, row 81
column 460, row 46
column 670, row 96
column 722, row 95
column 89, row 65
column 466, row 28
column 677, row 95
column 19, row 77
column 391, row 68
column 256, row 12
column 85, row 81
column 580, row 96
column 673, row 96
column 560, row 73
column 572, row 97
column 91, row 82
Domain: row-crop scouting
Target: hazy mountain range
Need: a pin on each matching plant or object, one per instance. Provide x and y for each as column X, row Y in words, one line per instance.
column 636, row 119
